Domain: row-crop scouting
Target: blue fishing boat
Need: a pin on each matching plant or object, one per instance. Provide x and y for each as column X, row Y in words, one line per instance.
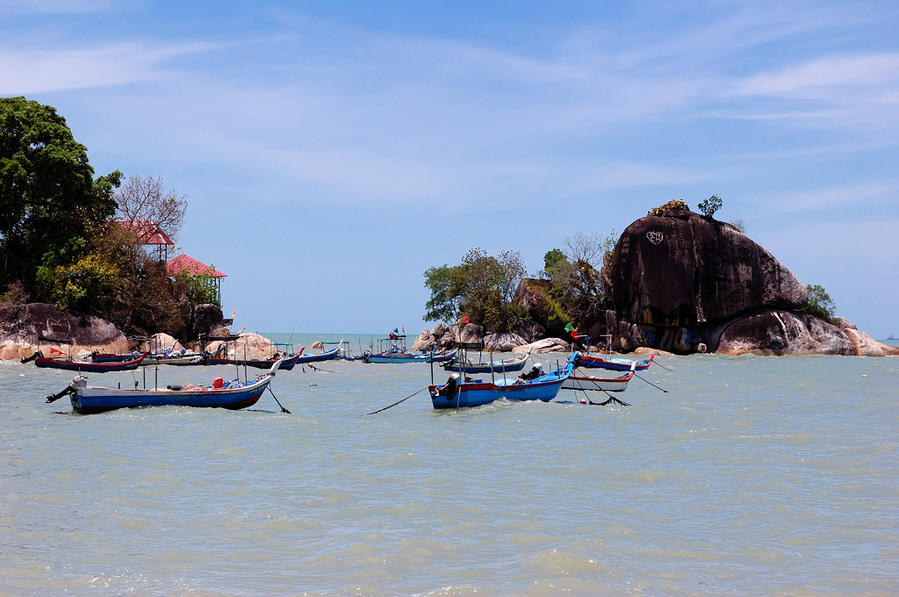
column 477, row 392
column 220, row 394
column 324, row 355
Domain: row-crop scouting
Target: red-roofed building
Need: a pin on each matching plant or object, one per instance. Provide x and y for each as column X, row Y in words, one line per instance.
column 149, row 233
column 184, row 264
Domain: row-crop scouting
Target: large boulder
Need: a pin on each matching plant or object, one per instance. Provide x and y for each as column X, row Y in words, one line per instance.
column 544, row 346
column 685, row 270
column 209, row 320
column 783, row 332
column 23, row 326
column 159, row 342
column 502, row 342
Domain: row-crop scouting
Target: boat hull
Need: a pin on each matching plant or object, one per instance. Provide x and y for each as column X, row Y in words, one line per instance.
column 98, row 400
column 597, row 384
column 592, row 362
column 408, row 358
column 477, row 393
column 315, row 358
column 89, row 367
column 492, row 367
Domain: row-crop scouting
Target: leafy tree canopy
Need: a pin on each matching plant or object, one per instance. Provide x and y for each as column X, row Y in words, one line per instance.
column 50, row 202
column 709, row 206
column 819, row 303
column 481, row 287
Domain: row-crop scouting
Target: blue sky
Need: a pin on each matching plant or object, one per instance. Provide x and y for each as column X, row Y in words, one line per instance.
column 331, row 152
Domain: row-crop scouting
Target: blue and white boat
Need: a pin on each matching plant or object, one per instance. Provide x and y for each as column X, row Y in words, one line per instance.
column 477, row 392
column 220, row 394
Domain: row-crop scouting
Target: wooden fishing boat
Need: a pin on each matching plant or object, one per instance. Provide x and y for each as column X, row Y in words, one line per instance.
column 108, row 357
column 477, row 392
column 220, row 394
column 89, row 366
column 185, row 359
column 287, row 363
column 599, row 384
column 465, row 365
column 401, row 356
column 615, row 364
column 325, row 355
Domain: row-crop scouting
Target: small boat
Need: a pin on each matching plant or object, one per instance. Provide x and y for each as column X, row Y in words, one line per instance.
column 615, row 364
column 287, row 363
column 89, row 366
column 465, row 365
column 220, row 394
column 325, row 355
column 477, row 392
column 108, row 357
column 401, row 356
column 599, row 384
column 187, row 358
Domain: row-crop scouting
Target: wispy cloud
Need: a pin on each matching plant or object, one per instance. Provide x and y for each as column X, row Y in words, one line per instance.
column 56, row 6
column 41, row 71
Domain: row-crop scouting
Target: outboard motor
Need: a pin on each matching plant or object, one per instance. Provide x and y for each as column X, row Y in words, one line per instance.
column 535, row 372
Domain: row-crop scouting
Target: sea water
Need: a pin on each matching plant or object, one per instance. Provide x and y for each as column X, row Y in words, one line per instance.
column 746, row 476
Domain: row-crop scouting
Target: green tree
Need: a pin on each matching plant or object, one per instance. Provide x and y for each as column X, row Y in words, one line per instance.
column 481, row 287
column 709, row 206
column 49, row 199
column 553, row 261
column 819, row 303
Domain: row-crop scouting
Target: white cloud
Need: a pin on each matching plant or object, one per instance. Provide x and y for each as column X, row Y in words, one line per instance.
column 860, row 77
column 26, row 72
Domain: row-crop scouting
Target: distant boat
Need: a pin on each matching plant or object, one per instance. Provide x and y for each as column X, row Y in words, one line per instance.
column 88, row 366
column 891, row 337
column 401, row 356
column 231, row 395
column 477, row 392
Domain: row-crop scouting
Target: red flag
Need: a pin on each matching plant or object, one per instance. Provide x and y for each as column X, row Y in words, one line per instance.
column 465, row 319
column 54, row 351
column 574, row 335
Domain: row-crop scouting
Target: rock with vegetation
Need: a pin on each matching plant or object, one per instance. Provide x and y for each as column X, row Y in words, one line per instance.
column 686, row 283
column 22, row 326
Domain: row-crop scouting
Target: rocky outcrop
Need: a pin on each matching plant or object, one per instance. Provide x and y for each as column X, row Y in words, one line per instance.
column 686, row 283
column 159, row 342
column 783, row 332
column 445, row 337
column 686, row 270
column 502, row 342
column 23, row 326
column 208, row 320
column 544, row 346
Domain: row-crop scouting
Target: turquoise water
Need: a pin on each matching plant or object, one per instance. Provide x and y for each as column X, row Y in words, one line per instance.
column 750, row 476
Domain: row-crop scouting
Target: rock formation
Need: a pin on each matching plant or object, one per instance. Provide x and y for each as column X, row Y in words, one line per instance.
column 23, row 326
column 686, row 283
